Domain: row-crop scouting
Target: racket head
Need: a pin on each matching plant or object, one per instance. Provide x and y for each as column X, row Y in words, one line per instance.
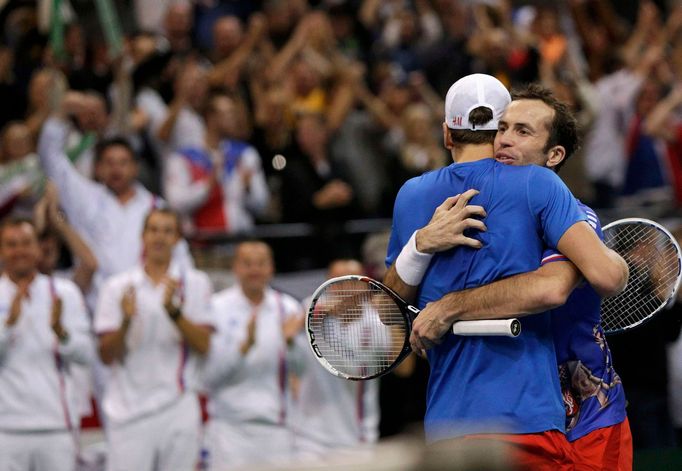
column 655, row 261
column 358, row 329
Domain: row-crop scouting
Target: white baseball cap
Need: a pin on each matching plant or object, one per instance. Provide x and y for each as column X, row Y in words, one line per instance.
column 471, row 92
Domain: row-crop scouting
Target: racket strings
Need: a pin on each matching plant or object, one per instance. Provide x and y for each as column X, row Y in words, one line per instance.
column 654, row 265
column 359, row 330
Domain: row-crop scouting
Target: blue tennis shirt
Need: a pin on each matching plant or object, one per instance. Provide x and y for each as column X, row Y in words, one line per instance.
column 490, row 384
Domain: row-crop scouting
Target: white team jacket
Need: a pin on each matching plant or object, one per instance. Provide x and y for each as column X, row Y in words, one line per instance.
column 158, row 367
column 253, row 388
column 36, row 388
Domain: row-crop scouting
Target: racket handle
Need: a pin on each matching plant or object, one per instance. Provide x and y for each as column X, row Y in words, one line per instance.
column 498, row 327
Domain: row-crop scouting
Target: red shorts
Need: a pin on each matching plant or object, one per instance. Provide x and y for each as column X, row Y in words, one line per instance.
column 546, row 451
column 608, row 448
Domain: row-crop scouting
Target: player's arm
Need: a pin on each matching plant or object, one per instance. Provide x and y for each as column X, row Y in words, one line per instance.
column 546, row 288
column 565, row 227
column 196, row 335
column 255, row 184
column 224, row 355
column 112, row 340
column 112, row 344
column 603, row 268
column 86, row 262
column 184, row 194
column 222, row 360
column 76, row 343
column 75, row 190
column 443, row 232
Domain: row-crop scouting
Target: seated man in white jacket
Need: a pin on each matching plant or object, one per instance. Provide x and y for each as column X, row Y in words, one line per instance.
column 44, row 329
column 331, row 414
column 246, row 372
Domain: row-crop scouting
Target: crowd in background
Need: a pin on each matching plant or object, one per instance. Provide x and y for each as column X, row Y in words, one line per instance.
column 329, row 106
column 246, row 113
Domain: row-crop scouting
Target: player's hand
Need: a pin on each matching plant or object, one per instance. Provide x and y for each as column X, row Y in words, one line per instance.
column 447, row 226
column 171, row 303
column 250, row 336
column 15, row 308
column 334, row 194
column 56, row 319
column 54, row 215
column 40, row 216
column 429, row 327
column 129, row 304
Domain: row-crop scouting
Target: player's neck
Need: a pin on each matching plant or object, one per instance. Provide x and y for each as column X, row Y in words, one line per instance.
column 20, row 279
column 472, row 153
column 126, row 194
column 156, row 269
column 255, row 296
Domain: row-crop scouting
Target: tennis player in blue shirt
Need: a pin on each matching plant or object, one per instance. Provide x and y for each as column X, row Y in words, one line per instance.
column 538, row 129
column 597, row 424
column 484, row 385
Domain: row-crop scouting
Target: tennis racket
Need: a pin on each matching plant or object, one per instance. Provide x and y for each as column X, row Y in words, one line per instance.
column 360, row 329
column 653, row 256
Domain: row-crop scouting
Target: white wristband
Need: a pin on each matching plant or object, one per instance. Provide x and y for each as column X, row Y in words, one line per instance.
column 411, row 264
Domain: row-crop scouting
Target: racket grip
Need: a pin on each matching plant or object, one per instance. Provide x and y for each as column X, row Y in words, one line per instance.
column 497, row 327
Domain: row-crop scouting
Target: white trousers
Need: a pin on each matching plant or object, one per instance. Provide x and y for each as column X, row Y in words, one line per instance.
column 235, row 445
column 37, row 451
column 168, row 440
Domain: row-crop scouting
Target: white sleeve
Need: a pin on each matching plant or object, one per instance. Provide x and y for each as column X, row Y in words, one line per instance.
column 198, row 306
column 183, row 194
column 75, row 191
column 108, row 314
column 223, row 356
column 80, row 346
column 258, row 195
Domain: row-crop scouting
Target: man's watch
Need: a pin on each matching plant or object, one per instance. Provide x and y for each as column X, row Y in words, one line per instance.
column 63, row 336
column 174, row 313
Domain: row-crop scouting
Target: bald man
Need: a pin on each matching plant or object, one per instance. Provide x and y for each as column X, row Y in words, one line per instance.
column 246, row 374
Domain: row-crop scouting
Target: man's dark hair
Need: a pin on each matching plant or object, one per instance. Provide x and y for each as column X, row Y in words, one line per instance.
column 478, row 117
column 563, row 130
column 105, row 144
